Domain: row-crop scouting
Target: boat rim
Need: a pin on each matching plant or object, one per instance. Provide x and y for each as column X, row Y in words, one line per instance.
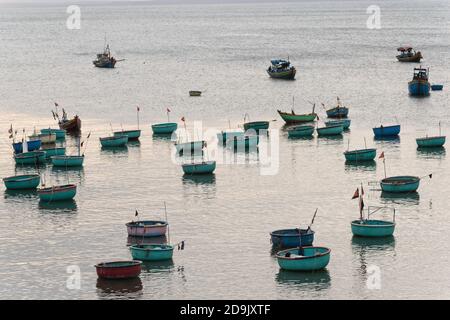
column 384, row 127
column 108, row 264
column 154, row 246
column 280, row 256
column 134, row 224
column 28, row 155
column 331, row 127
column 430, row 138
column 199, row 163
column 402, row 180
column 360, row 151
column 386, row 223
column 117, row 137
column 23, row 177
column 274, row 233
column 65, row 187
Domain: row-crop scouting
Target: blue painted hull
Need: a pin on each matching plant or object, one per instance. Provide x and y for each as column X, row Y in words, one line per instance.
column 32, row 146
column 58, row 193
column 372, row 228
column 67, row 161
column 313, row 258
column 289, row 238
column 59, row 133
column 301, row 131
column 330, row 130
column 206, row 167
column 430, row 142
column 437, row 87
column 419, row 88
column 22, row 182
column 400, row 184
column 164, row 128
column 116, row 141
column 344, row 122
column 341, row 112
column 389, row 131
column 360, row 155
column 54, row 152
column 151, row 252
column 33, row 157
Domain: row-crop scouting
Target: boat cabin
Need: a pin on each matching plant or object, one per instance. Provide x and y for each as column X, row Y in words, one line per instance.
column 420, row 74
column 406, row 51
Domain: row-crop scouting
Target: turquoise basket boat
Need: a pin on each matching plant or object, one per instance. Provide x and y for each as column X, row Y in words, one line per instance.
column 164, row 128
column 151, row 252
column 342, row 122
column 256, row 125
column 332, row 130
column 290, row 238
column 304, row 258
column 131, row 134
column 29, row 181
column 67, row 161
column 223, row 136
column 360, row 155
column 59, row 133
column 33, row 157
column 205, row 167
column 54, row 152
column 430, row 142
column 400, row 184
column 115, row 141
column 57, row 193
column 372, row 228
column 300, row 131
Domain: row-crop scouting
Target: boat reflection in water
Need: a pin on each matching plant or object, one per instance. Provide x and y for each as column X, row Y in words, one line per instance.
column 411, row 198
column 114, row 150
column 119, row 288
column 431, row 153
column 134, row 143
column 387, row 139
column 157, row 266
column 305, row 281
column 360, row 166
column 60, row 206
column 146, row 240
column 21, row 194
column 199, row 179
column 374, row 243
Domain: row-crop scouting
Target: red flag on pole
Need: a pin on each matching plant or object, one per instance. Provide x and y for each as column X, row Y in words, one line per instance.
column 10, row 129
column 168, row 110
column 362, row 190
column 182, row 119
column 381, row 155
column 356, row 194
column 56, row 104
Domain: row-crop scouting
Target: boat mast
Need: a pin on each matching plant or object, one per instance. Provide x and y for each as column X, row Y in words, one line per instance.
column 168, row 227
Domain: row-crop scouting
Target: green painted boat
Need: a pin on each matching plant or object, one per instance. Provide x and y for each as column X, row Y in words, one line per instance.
column 256, row 125
column 67, row 161
column 297, row 118
column 400, row 184
column 223, row 136
column 343, row 122
column 372, row 228
column 32, row 157
column 360, row 155
column 57, row 193
column 54, row 152
column 304, row 258
column 300, row 131
column 430, row 142
column 204, row 167
column 164, row 128
column 151, row 252
column 59, row 133
column 28, row 181
column 330, row 130
column 131, row 134
column 115, row 141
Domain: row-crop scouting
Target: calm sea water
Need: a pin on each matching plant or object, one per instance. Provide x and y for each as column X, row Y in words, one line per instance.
column 225, row 219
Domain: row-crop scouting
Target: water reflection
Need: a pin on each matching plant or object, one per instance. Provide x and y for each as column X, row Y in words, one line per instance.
column 134, row 143
column 162, row 136
column 411, row 198
column 431, row 153
column 331, row 140
column 114, row 150
column 146, row 240
column 204, row 179
column 67, row 206
column 21, row 194
column 157, row 266
column 308, row 138
column 313, row 281
column 118, row 288
column 389, row 140
column 361, row 165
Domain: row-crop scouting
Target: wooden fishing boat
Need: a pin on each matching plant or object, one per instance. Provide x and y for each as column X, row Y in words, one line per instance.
column 301, row 131
column 164, row 128
column 59, row 133
column 388, row 131
column 290, row 118
column 67, row 161
column 256, row 125
column 115, row 141
column 437, row 87
column 32, row 146
column 419, row 85
column 131, row 134
column 400, row 184
column 28, row 181
column 57, row 193
column 151, row 252
column 50, row 152
column 32, row 157
column 430, row 142
column 189, row 147
column 147, row 228
column 204, row 167
column 304, row 258
column 223, row 136
column 360, row 155
column 337, row 112
column 73, row 125
column 194, row 93
column 45, row 138
column 118, row 269
column 290, row 238
column 407, row 54
column 343, row 122
column 372, row 228
column 105, row 59
column 281, row 69
column 244, row 142
column 331, row 130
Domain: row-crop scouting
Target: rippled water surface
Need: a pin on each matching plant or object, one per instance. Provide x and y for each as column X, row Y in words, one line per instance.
column 226, row 218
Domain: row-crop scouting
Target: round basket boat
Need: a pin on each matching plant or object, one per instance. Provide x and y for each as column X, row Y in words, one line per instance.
column 304, row 258
column 289, row 238
column 118, row 269
column 152, row 252
column 147, row 228
column 400, row 184
column 372, row 228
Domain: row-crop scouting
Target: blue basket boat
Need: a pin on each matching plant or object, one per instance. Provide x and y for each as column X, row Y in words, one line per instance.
column 400, row 184
column 330, row 130
column 32, row 146
column 54, row 152
column 59, row 133
column 29, row 181
column 204, row 167
column 301, row 131
column 67, row 161
column 430, row 142
column 343, row 122
column 419, row 85
column 372, row 228
column 57, row 193
column 33, row 157
column 115, row 141
column 389, row 131
column 164, row 128
column 304, row 258
column 437, row 87
column 151, row 252
column 131, row 134
column 290, row 238
column 360, row 155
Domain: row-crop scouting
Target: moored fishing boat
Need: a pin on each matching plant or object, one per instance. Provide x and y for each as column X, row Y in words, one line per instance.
column 118, row 269
column 67, row 161
column 297, row 118
column 256, row 125
column 131, row 134
column 386, row 131
column 152, row 252
column 45, row 138
column 408, row 54
column 304, row 258
column 59, row 133
column 114, row 141
column 431, row 142
column 360, row 155
column 244, row 142
column 290, row 238
column 50, row 152
column 204, row 167
column 147, row 228
column 32, row 157
column 190, row 147
column 437, row 87
column 345, row 123
column 105, row 59
column 32, row 146
column 400, row 184
column 331, row 130
column 57, row 193
column 337, row 112
column 70, row 126
column 164, row 128
column 301, row 131
column 195, row 93
column 419, row 85
column 281, row 69
column 21, row 182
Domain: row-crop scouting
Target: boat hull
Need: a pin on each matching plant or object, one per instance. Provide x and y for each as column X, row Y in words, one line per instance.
column 131, row 134
column 59, row 133
column 400, row 184
column 301, row 131
column 290, row 118
column 33, row 157
column 151, row 252
column 116, row 141
column 67, row 161
column 118, row 269
column 419, row 88
column 372, row 228
column 287, row 74
column 437, row 87
column 32, row 146
column 54, row 152
column 256, row 125
column 360, row 155
column 344, row 122
column 330, row 131
column 430, row 142
column 315, row 258
column 147, row 228
column 73, row 125
column 207, row 167
column 58, row 193
column 289, row 238
column 194, row 93
column 389, row 131
column 22, row 182
column 414, row 58
column 192, row 146
column 337, row 112
column 164, row 128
